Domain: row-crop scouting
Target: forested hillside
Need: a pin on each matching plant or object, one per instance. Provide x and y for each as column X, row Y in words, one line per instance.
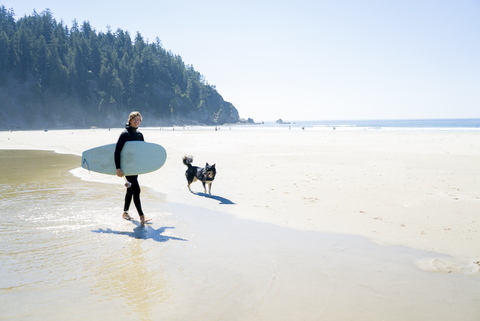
column 59, row 77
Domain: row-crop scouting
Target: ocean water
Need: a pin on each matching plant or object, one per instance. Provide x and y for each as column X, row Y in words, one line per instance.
column 371, row 125
column 66, row 254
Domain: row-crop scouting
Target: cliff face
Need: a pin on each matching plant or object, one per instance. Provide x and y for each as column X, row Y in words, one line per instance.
column 24, row 106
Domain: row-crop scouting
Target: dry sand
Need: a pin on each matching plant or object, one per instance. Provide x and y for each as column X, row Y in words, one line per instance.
column 415, row 189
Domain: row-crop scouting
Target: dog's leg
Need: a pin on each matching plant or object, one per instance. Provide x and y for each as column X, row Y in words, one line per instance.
column 210, row 189
column 190, row 180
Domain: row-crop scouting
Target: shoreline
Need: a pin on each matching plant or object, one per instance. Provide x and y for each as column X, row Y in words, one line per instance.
column 412, row 189
column 425, row 124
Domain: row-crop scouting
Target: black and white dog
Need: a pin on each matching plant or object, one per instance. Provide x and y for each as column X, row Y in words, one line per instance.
column 206, row 174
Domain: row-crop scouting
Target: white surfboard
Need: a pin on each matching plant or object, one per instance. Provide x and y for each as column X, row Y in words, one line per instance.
column 136, row 158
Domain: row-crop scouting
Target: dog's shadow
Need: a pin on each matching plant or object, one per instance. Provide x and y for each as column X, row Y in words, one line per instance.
column 143, row 233
column 222, row 200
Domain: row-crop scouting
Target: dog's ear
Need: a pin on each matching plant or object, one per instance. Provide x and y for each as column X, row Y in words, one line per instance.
column 206, row 165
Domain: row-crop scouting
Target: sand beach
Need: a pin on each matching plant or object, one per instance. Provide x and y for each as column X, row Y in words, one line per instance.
column 324, row 225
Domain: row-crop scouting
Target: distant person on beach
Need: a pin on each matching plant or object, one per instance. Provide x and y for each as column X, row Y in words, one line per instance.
column 130, row 133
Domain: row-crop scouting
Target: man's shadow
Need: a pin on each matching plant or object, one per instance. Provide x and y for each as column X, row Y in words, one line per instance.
column 222, row 200
column 143, row 232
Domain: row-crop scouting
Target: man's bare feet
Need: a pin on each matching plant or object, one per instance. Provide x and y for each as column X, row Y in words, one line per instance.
column 143, row 219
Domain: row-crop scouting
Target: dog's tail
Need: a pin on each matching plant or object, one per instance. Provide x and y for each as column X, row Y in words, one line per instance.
column 187, row 161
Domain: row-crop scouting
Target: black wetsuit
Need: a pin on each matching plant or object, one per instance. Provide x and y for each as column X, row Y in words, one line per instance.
column 129, row 134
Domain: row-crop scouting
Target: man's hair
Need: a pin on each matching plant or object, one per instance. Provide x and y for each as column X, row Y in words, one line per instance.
column 134, row 114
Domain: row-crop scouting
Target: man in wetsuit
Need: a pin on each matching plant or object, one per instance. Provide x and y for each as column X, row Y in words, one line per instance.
column 130, row 134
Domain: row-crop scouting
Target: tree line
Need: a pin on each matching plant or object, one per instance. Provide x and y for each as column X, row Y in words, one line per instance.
column 101, row 72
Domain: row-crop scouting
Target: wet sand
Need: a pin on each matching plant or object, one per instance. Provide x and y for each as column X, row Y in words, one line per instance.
column 246, row 253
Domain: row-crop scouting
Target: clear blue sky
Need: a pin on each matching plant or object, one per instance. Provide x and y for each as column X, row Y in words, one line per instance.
column 311, row 59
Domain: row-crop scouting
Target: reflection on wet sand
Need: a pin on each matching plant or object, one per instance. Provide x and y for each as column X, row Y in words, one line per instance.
column 127, row 275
